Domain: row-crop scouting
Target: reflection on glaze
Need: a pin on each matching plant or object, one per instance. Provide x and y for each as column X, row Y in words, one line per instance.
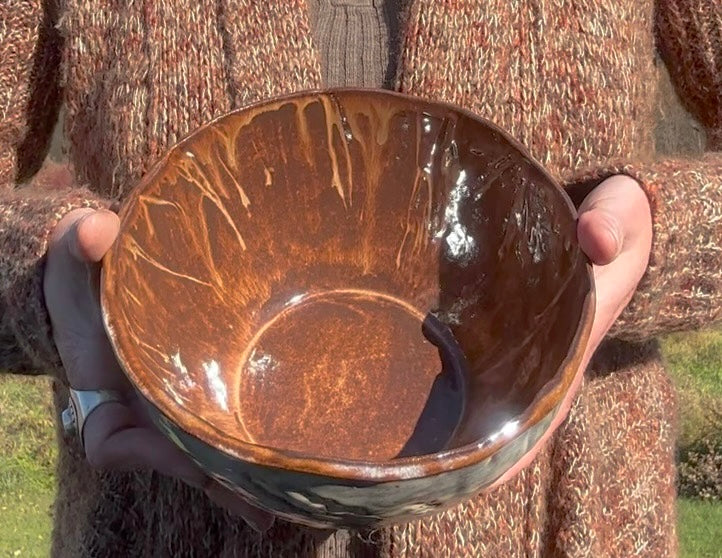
column 216, row 384
column 452, row 315
column 510, row 429
column 295, row 299
column 460, row 244
column 346, row 128
column 185, row 378
column 259, row 364
column 507, row 431
column 537, row 240
column 174, row 394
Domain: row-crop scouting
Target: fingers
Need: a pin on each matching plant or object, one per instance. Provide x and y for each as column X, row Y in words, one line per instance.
column 116, row 436
column 85, row 234
column 114, row 439
column 71, row 278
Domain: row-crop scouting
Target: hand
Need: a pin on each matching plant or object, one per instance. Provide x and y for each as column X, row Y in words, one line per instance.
column 615, row 232
column 117, row 436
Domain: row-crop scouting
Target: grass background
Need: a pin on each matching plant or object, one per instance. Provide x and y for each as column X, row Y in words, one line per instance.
column 27, row 450
column 27, row 458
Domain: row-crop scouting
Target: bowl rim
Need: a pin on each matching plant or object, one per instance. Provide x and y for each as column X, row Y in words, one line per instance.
column 547, row 401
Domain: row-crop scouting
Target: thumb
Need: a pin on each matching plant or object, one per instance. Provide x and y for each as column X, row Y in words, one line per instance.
column 92, row 235
column 600, row 234
column 609, row 218
column 86, row 234
column 70, row 285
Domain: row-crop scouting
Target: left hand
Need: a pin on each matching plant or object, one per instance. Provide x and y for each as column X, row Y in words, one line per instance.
column 117, row 435
column 615, row 232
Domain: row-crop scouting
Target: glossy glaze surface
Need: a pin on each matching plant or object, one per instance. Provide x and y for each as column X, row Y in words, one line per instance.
column 359, row 376
column 323, row 502
column 351, row 284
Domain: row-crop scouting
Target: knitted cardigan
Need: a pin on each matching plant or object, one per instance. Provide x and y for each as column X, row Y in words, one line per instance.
column 573, row 80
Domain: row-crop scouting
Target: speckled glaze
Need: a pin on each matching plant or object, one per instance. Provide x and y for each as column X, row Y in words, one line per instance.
column 353, row 307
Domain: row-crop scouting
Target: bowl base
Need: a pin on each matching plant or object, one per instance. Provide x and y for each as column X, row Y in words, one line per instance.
column 352, row 374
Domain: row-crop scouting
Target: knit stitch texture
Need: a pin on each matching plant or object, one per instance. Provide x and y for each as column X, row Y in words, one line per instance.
column 574, row 80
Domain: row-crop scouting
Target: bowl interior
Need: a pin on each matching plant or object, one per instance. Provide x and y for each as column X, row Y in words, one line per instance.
column 348, row 275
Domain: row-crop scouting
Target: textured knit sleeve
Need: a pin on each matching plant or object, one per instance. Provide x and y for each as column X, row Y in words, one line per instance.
column 30, row 51
column 682, row 287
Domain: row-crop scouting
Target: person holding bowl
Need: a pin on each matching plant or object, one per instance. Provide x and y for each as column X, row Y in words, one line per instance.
column 573, row 82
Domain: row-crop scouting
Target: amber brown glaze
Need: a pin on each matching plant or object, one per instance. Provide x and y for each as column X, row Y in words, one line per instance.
column 351, row 284
column 350, row 389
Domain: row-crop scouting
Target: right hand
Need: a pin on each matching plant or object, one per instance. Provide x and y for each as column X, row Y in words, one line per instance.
column 118, row 436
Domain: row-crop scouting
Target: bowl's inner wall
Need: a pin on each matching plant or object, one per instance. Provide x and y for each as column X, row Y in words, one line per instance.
column 264, row 209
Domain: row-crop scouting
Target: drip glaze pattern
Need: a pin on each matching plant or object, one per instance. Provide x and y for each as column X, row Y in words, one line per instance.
column 352, row 306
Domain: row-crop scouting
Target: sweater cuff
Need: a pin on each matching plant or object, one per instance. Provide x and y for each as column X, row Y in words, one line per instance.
column 27, row 218
column 682, row 286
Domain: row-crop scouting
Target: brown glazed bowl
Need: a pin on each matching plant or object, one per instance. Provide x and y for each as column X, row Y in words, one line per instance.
column 353, row 307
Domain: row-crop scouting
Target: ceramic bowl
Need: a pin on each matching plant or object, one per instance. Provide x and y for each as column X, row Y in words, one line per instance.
column 353, row 307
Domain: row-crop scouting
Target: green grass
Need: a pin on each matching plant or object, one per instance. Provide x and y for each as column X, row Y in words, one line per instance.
column 700, row 529
column 27, row 456
column 695, row 359
column 26, row 523
column 28, row 450
column 695, row 364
